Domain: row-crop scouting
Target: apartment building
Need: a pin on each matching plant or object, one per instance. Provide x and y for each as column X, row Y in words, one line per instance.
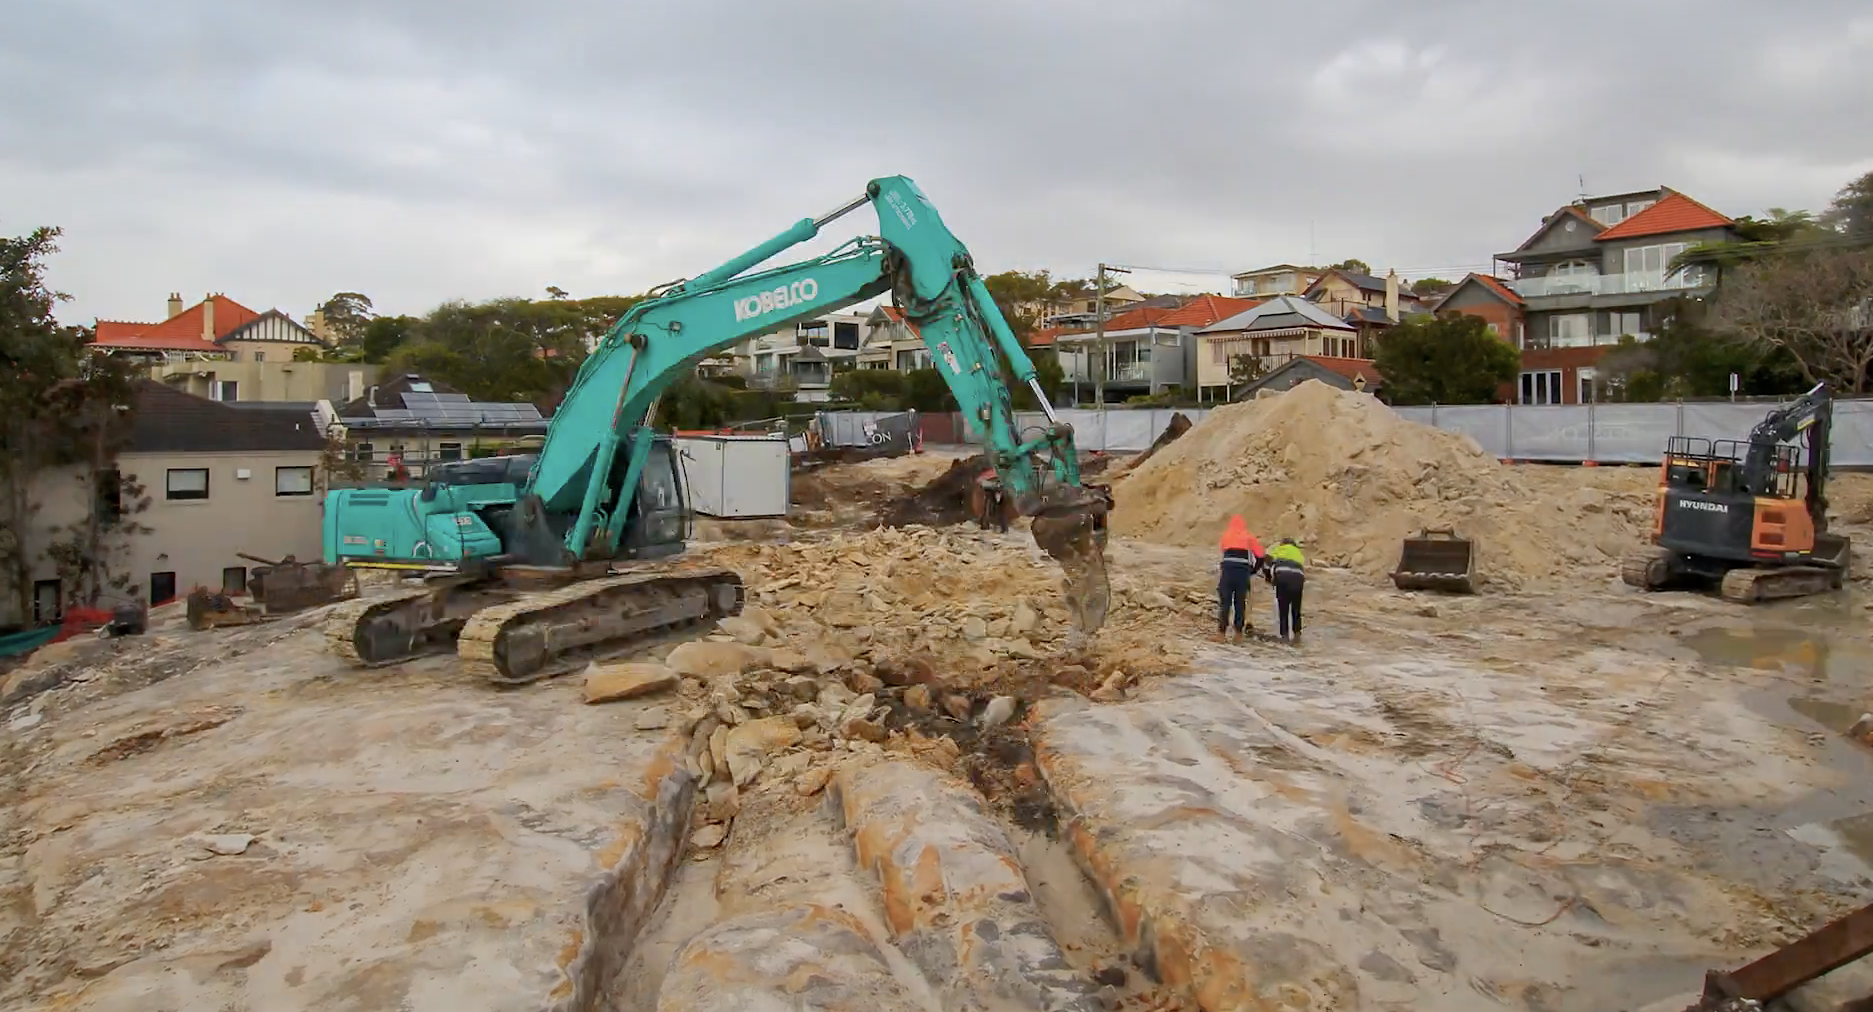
column 1274, row 281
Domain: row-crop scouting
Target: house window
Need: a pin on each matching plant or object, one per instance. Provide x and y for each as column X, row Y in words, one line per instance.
column 1585, row 377
column 292, row 481
column 223, row 390
column 234, row 580
column 448, row 451
column 813, row 332
column 260, row 356
column 48, row 603
column 1652, row 259
column 845, row 335
column 187, row 483
column 1542, row 387
column 1609, row 214
column 1570, row 330
column 364, row 453
column 162, row 588
column 1620, row 324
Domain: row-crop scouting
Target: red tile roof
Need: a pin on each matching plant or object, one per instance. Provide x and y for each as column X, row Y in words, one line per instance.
column 181, row 332
column 1349, row 367
column 1207, row 309
column 1674, row 212
column 1043, row 338
column 1138, row 319
column 896, row 315
column 1494, row 284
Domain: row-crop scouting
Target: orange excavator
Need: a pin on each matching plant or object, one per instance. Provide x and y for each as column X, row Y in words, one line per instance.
column 1749, row 516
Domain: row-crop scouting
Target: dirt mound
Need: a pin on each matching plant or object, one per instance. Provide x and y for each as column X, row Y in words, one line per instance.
column 944, row 501
column 1350, row 479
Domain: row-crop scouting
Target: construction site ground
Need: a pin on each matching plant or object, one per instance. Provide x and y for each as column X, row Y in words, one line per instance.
column 887, row 786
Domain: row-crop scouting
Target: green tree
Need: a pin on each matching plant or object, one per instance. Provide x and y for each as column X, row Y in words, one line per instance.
column 1245, row 369
column 1448, row 359
column 1431, row 288
column 1353, row 264
column 1016, row 294
column 347, row 313
column 1851, row 213
column 1811, row 301
column 871, row 389
column 385, row 334
column 1687, row 358
column 924, row 390
column 59, row 404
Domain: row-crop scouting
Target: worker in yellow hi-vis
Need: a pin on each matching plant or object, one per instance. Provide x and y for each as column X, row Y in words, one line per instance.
column 1286, row 568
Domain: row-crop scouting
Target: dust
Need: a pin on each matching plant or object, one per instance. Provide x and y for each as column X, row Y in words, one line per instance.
column 1350, row 479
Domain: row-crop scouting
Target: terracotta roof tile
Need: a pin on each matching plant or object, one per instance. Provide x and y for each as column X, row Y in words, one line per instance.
column 1046, row 338
column 1138, row 319
column 181, row 332
column 1207, row 309
column 1349, row 367
column 1494, row 284
column 1674, row 212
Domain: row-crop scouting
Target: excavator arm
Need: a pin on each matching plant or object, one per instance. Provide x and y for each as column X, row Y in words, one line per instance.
column 1811, row 414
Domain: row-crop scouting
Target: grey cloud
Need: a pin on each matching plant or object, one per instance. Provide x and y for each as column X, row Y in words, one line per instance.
column 428, row 149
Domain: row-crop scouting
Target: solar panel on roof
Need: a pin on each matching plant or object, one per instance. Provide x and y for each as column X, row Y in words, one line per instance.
column 452, row 397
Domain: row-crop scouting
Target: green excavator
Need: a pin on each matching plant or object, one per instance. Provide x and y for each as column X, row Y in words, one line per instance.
column 527, row 565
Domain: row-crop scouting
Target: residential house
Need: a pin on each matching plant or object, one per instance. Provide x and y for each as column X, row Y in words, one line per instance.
column 220, row 480
column 224, row 351
column 1274, row 281
column 803, row 356
column 410, row 422
column 1082, row 309
column 1141, row 356
column 892, row 342
column 1148, row 349
column 1340, row 373
column 1370, row 304
column 1273, row 331
column 1596, row 270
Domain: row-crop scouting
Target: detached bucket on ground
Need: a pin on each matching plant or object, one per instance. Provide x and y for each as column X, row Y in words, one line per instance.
column 1437, row 559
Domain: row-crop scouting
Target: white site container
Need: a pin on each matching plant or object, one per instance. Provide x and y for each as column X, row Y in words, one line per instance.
column 737, row 477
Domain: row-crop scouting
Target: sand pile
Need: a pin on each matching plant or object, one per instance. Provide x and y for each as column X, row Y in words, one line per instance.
column 1350, row 479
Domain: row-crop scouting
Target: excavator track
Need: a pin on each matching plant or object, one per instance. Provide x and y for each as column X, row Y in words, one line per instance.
column 550, row 633
column 512, row 637
column 1645, row 568
column 1751, row 585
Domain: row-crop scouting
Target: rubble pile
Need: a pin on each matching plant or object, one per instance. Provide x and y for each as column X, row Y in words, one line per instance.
column 913, row 640
column 1349, row 479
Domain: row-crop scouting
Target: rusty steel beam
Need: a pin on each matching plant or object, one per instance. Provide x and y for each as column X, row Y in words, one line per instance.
column 1827, row 948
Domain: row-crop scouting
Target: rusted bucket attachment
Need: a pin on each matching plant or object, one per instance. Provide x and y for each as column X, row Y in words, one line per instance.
column 208, row 609
column 1437, row 559
column 290, row 585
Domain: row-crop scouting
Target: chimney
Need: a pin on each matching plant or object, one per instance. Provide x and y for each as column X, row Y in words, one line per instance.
column 208, row 318
column 1391, row 294
column 175, row 305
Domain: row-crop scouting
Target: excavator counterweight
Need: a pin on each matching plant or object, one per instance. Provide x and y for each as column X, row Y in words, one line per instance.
column 530, row 563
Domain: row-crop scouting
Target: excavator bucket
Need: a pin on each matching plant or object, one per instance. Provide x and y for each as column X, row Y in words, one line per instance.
column 1437, row 559
column 1070, row 526
column 289, row 585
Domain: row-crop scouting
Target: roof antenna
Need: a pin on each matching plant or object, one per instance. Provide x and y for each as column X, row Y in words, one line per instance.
column 1583, row 187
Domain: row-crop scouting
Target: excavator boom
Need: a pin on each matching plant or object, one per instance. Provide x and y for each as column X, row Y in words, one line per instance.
column 603, row 487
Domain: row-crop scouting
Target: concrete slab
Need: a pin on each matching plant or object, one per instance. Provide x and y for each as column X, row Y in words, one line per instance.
column 1344, row 829
column 418, row 841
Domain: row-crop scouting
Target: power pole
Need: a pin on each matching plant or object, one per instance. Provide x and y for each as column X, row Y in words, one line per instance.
column 1099, row 336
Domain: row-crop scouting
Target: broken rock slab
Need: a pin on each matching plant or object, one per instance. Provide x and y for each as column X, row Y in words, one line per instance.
column 710, row 659
column 955, row 899
column 797, row 929
column 434, row 848
column 1261, row 843
column 607, row 682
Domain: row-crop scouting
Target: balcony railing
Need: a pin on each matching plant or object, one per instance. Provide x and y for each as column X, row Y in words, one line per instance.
column 1610, row 284
column 1128, row 372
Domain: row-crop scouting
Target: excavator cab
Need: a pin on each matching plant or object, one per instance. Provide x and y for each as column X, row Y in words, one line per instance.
column 658, row 519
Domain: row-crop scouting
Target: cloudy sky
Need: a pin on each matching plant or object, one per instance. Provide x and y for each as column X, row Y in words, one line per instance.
column 281, row 150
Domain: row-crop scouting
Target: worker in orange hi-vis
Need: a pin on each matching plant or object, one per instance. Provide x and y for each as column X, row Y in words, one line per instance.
column 1242, row 556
